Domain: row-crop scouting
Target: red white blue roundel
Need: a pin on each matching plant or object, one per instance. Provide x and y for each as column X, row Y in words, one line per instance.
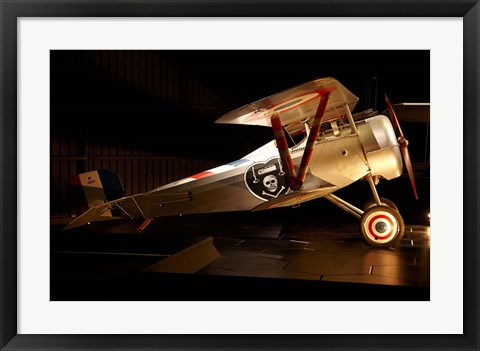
column 266, row 180
column 381, row 226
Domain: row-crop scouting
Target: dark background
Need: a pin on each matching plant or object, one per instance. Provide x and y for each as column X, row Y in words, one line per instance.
column 149, row 115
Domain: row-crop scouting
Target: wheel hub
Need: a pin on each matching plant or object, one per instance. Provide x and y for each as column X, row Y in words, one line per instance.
column 380, row 227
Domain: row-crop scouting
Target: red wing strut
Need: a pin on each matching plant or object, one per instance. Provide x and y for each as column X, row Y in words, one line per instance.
column 282, row 146
column 312, row 137
column 294, row 181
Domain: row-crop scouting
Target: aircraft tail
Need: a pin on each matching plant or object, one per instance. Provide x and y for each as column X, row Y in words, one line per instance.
column 90, row 189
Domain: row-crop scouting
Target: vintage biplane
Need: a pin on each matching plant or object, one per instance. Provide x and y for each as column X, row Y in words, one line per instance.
column 318, row 148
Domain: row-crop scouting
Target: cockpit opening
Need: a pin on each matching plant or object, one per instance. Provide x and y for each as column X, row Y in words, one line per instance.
column 296, row 133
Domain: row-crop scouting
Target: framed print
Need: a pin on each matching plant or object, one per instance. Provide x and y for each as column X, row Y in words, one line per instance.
column 126, row 96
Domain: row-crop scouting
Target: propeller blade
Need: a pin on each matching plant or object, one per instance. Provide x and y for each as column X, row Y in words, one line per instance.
column 393, row 118
column 408, row 164
column 403, row 145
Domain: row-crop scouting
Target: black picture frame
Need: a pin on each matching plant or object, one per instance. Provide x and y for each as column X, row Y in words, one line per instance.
column 12, row 10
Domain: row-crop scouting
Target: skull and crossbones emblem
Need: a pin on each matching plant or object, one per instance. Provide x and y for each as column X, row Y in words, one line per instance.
column 271, row 183
column 266, row 180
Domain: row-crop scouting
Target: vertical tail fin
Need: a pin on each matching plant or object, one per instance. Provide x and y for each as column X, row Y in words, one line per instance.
column 90, row 189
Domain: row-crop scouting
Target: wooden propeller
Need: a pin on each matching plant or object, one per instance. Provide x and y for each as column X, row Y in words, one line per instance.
column 403, row 143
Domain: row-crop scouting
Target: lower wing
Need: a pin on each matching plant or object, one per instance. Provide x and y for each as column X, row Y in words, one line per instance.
column 295, row 198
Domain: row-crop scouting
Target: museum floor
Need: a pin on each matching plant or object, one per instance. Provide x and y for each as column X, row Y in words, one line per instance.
column 237, row 257
column 335, row 253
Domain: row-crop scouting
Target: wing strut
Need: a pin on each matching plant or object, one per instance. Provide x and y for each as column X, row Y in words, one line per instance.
column 282, row 146
column 312, row 137
column 295, row 181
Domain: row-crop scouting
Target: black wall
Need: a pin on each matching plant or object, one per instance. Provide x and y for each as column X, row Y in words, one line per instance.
column 149, row 115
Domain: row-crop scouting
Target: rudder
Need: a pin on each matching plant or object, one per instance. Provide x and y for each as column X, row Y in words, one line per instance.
column 90, row 189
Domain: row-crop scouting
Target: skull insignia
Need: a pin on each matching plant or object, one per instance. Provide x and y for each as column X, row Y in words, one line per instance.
column 270, row 182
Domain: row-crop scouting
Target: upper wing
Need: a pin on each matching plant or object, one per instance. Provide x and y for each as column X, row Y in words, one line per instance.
column 411, row 112
column 295, row 104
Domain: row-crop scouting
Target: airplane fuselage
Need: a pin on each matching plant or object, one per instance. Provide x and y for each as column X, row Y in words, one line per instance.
column 302, row 163
column 339, row 159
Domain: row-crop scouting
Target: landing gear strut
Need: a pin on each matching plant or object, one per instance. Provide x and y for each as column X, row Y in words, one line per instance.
column 381, row 224
column 383, row 200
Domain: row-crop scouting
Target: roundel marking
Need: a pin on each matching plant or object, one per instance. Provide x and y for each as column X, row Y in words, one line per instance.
column 381, row 227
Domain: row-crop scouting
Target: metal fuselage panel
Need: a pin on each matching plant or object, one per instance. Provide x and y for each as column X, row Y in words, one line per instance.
column 337, row 160
column 346, row 158
column 381, row 147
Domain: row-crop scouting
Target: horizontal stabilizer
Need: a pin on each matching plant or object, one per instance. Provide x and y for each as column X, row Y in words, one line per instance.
column 295, row 198
column 143, row 205
column 126, row 206
column 91, row 215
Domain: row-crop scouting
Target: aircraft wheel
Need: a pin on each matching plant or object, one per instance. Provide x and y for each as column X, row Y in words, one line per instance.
column 370, row 203
column 381, row 226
